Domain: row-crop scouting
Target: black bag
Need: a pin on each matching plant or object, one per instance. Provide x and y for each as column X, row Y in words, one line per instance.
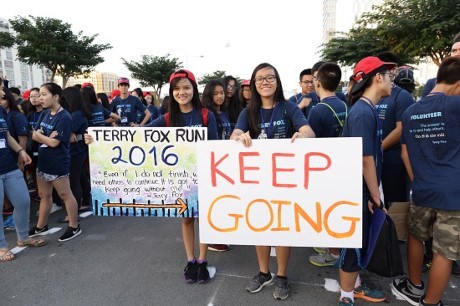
column 386, row 258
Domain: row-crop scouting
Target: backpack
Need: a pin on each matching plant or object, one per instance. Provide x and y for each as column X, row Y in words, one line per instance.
column 341, row 122
column 204, row 115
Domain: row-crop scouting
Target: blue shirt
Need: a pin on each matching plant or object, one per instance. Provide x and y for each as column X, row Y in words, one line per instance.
column 224, row 128
column 127, row 109
column 431, row 132
column 191, row 119
column 55, row 161
column 278, row 122
column 430, row 84
column 322, row 119
column 390, row 111
column 99, row 115
column 79, row 126
column 7, row 162
column 17, row 124
column 362, row 121
column 154, row 112
column 314, row 100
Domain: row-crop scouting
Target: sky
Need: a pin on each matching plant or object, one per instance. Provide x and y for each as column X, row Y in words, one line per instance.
column 234, row 36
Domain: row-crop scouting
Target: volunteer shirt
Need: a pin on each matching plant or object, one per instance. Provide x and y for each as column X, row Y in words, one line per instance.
column 314, row 100
column 431, row 132
column 279, row 122
column 18, row 125
column 32, row 118
column 7, row 161
column 127, row 109
column 322, row 119
column 55, row 161
column 224, row 129
column 390, row 111
column 362, row 121
column 99, row 115
column 154, row 112
column 430, row 84
column 79, row 126
column 191, row 119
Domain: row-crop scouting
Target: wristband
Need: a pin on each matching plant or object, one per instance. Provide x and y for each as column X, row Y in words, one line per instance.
column 19, row 151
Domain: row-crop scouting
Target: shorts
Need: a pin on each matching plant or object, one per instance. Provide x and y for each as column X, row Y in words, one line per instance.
column 442, row 225
column 50, row 177
column 350, row 259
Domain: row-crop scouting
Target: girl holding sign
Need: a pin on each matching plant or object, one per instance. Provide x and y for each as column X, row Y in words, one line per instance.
column 52, row 132
column 270, row 116
column 185, row 110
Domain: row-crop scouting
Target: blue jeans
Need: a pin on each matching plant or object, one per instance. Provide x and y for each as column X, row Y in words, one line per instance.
column 13, row 185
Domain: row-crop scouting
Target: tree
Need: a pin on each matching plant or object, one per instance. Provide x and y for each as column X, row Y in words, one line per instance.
column 216, row 75
column 153, row 70
column 6, row 40
column 50, row 43
column 419, row 28
column 360, row 42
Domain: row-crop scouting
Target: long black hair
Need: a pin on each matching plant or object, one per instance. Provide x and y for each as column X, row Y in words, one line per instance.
column 233, row 105
column 256, row 101
column 174, row 109
column 76, row 102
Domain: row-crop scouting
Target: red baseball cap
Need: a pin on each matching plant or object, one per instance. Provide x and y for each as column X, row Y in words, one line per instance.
column 366, row 68
column 246, row 83
column 182, row 73
column 26, row 94
column 123, row 80
column 115, row 93
column 87, row 84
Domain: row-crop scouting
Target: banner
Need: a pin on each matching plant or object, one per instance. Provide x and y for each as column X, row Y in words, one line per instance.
column 137, row 171
column 278, row 193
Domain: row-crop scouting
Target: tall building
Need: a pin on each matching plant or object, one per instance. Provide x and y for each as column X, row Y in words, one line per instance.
column 329, row 19
column 18, row 74
column 102, row 81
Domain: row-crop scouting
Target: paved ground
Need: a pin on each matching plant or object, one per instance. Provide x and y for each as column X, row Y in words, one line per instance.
column 140, row 261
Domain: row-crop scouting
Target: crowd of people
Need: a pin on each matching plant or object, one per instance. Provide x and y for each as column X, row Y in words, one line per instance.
column 410, row 148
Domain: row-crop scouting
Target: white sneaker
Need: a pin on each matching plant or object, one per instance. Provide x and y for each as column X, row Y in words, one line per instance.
column 54, row 209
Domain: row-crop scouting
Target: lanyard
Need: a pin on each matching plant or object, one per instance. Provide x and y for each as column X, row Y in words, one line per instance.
column 271, row 119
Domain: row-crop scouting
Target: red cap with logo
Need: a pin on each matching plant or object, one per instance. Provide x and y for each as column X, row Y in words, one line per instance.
column 246, row 83
column 182, row 73
column 123, row 80
column 367, row 68
column 87, row 84
column 115, row 93
column 26, row 94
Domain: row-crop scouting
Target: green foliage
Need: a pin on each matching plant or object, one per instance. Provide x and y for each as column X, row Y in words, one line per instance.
column 153, row 70
column 50, row 43
column 216, row 75
column 411, row 29
column 6, row 40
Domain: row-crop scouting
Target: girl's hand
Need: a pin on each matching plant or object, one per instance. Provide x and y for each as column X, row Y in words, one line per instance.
column 24, row 158
column 245, row 138
column 295, row 136
column 54, row 134
column 88, row 139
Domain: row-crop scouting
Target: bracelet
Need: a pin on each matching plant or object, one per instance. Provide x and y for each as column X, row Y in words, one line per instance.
column 19, row 151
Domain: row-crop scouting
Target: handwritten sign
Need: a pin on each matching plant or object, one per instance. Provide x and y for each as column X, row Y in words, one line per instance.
column 145, row 171
column 278, row 193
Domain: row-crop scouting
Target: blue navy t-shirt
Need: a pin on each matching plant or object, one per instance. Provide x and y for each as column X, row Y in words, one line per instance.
column 33, row 118
column 191, row 119
column 79, row 126
column 55, row 161
column 100, row 113
column 128, row 109
column 430, row 84
column 224, row 129
column 431, row 132
column 154, row 112
column 390, row 111
column 17, row 124
column 314, row 100
column 362, row 121
column 7, row 161
column 279, row 122
column 322, row 119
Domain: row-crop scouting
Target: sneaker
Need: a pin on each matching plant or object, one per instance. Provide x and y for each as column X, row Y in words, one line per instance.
column 346, row 301
column 218, row 247
column 320, row 250
column 191, row 271
column 281, row 291
column 426, row 264
column 258, row 282
column 70, row 233
column 8, row 223
column 422, row 303
column 324, row 260
column 203, row 273
column 35, row 231
column 368, row 294
column 404, row 289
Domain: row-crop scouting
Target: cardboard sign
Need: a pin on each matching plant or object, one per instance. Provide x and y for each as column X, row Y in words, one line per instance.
column 137, row 171
column 278, row 193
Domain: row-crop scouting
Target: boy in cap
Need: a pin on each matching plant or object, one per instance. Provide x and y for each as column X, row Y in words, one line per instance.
column 127, row 106
column 373, row 81
column 430, row 150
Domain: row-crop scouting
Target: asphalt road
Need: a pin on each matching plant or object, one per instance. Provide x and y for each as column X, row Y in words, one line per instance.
column 140, row 261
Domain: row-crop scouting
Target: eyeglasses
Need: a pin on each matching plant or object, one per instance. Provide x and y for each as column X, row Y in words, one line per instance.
column 269, row 79
column 308, row 82
column 34, row 96
column 231, row 86
column 390, row 74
